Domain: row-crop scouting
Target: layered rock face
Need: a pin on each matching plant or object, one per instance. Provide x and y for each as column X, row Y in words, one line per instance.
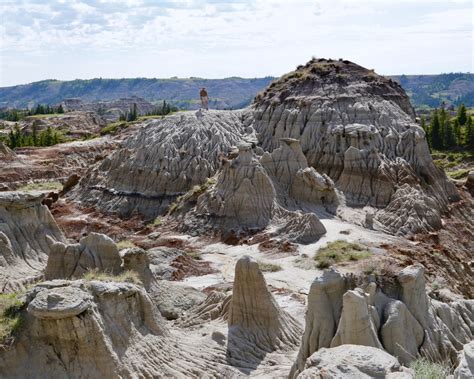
column 358, row 128
column 164, row 160
column 396, row 317
column 25, row 226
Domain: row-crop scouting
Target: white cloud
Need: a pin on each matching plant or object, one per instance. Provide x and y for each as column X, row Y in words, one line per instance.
column 215, row 38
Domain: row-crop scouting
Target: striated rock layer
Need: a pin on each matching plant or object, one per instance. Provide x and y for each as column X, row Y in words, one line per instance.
column 165, row 159
column 359, row 128
column 396, row 317
column 25, row 226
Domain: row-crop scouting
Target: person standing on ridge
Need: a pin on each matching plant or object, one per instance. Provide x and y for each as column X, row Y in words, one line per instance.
column 204, row 99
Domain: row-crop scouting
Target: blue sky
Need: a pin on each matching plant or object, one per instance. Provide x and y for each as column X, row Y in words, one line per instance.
column 69, row 39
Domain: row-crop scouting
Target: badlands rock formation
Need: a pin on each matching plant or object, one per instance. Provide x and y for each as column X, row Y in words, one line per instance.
column 353, row 361
column 255, row 319
column 165, row 159
column 397, row 317
column 25, row 226
column 93, row 252
column 359, row 128
column 71, row 124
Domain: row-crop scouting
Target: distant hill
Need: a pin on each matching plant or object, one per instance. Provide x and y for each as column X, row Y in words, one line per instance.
column 224, row 93
column 229, row 93
column 432, row 90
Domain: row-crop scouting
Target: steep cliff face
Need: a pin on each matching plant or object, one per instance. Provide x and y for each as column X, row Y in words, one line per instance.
column 359, row 128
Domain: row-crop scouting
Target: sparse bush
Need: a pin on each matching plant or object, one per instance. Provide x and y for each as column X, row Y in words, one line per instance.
column 125, row 244
column 269, row 267
column 340, row 251
column 11, row 318
column 128, row 276
column 425, row 369
column 42, row 186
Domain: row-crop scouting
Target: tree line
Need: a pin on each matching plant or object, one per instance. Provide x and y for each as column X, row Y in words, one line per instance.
column 47, row 137
column 160, row 110
column 445, row 132
column 19, row 114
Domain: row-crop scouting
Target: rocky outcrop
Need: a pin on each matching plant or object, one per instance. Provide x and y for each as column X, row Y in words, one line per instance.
column 359, row 129
column 73, row 124
column 256, row 323
column 93, row 252
column 97, row 329
column 25, row 226
column 252, row 194
column 351, row 361
column 164, row 160
column 397, row 317
column 6, row 153
column 110, row 110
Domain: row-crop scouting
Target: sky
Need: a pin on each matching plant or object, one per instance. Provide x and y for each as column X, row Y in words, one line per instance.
column 83, row 39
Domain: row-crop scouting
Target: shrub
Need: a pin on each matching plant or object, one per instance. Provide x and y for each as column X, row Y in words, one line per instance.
column 269, row 267
column 128, row 276
column 340, row 251
column 125, row 244
column 426, row 369
column 11, row 317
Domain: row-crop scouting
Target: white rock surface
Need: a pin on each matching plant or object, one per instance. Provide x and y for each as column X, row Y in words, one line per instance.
column 353, row 361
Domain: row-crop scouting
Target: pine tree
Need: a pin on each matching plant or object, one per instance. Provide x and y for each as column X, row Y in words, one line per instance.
column 34, row 136
column 462, row 116
column 469, row 135
column 60, row 109
column 457, row 132
column 11, row 140
column 435, row 131
column 448, row 138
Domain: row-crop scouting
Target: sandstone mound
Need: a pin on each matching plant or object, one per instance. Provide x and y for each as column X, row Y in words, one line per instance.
column 93, row 252
column 256, row 322
column 25, row 226
column 351, row 361
column 398, row 317
column 166, row 158
column 252, row 194
column 97, row 329
column 359, row 129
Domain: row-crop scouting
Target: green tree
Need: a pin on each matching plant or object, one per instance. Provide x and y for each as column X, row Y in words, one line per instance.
column 60, row 109
column 34, row 136
column 469, row 134
column 435, row 131
column 448, row 138
column 457, row 132
column 462, row 115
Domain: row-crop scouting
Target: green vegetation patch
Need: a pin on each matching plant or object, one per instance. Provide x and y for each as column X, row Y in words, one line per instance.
column 340, row 251
column 114, row 127
column 11, row 318
column 425, row 369
column 42, row 186
column 125, row 244
column 128, row 276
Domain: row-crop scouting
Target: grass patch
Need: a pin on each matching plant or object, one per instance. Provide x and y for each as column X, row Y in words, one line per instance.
column 340, row 251
column 128, row 276
column 269, row 267
column 458, row 174
column 114, row 127
column 156, row 222
column 425, row 369
column 11, row 318
column 42, row 186
column 35, row 116
column 125, row 244
column 194, row 254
